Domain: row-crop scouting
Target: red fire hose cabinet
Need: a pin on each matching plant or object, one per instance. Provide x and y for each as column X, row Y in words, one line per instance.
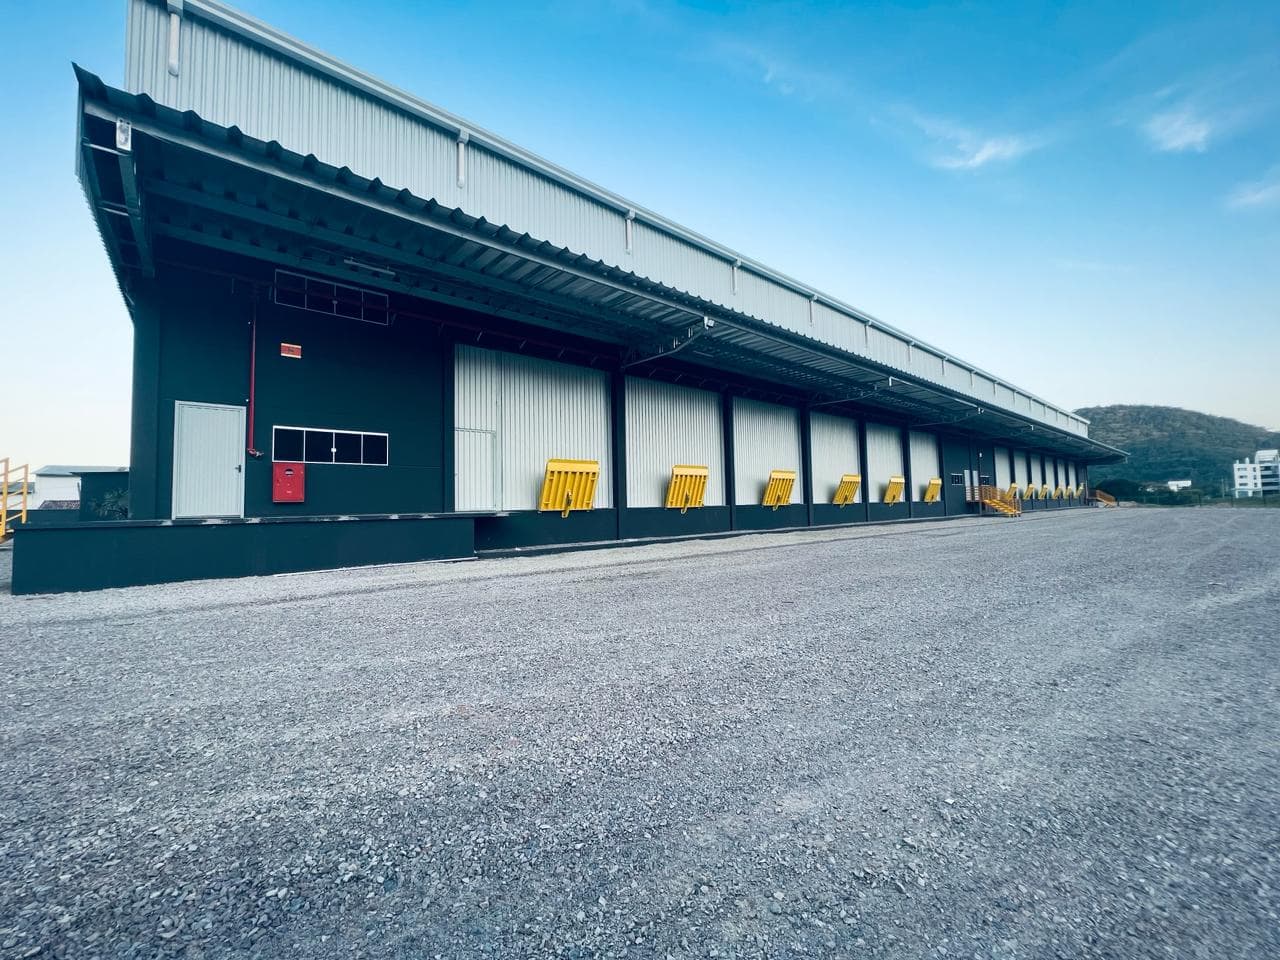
column 288, row 482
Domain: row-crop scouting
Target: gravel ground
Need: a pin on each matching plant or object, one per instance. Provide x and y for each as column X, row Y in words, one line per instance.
column 1047, row 737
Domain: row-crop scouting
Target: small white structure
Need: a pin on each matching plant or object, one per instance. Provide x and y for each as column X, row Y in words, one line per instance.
column 57, row 485
column 1259, row 476
column 1176, row 485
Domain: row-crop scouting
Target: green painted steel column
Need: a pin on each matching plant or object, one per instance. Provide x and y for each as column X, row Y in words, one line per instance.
column 448, row 450
column 726, row 427
column 144, row 450
column 618, row 404
column 909, row 492
column 863, row 468
column 806, row 462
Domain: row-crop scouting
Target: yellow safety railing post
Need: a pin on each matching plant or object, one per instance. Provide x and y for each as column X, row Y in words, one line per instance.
column 6, row 471
column 1001, row 501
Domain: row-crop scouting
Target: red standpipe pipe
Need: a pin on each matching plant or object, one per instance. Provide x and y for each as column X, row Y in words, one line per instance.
column 253, row 374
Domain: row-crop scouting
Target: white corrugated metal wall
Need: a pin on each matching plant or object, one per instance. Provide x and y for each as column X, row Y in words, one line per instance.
column 666, row 425
column 1071, row 474
column 512, row 414
column 1003, row 475
column 1037, row 470
column 884, row 459
column 765, row 437
column 1020, row 469
column 1062, row 473
column 925, row 463
column 833, row 448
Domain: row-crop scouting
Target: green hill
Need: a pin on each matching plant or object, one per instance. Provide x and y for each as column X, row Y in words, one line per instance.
column 1168, row 443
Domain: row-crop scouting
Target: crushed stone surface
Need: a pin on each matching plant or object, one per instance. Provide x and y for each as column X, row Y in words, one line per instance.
column 1048, row 737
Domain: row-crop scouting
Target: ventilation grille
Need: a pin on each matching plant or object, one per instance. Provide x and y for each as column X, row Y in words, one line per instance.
column 334, row 299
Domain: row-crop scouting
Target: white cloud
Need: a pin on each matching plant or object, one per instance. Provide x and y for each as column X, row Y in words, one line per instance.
column 779, row 73
column 971, row 156
column 1179, row 130
column 1259, row 193
column 966, row 149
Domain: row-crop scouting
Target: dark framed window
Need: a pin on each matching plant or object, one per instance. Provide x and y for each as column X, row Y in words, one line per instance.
column 346, row 448
column 957, row 479
column 375, row 449
column 319, row 445
column 335, row 299
column 288, row 444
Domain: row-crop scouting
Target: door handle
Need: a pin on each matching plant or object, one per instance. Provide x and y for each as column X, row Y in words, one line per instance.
column 239, row 467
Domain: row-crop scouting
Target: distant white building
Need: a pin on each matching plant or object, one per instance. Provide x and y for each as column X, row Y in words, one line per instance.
column 1259, row 476
column 57, row 486
column 1176, row 485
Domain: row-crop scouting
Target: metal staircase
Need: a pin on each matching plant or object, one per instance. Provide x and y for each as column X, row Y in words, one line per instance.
column 1000, row 501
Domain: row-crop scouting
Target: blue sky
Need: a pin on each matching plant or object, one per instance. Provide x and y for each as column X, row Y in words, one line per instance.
column 1084, row 199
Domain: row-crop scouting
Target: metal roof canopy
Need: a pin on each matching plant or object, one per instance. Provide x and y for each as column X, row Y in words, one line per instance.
column 151, row 171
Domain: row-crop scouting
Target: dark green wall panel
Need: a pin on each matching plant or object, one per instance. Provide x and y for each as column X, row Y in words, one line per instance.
column 922, row 510
column 887, row 511
column 767, row 518
column 195, row 329
column 529, row 528
column 660, row 522
column 93, row 556
column 955, row 459
column 829, row 513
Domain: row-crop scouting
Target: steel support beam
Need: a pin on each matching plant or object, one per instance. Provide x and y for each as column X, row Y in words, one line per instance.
column 133, row 198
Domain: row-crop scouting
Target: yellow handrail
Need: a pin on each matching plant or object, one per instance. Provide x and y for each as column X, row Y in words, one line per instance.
column 5, row 470
column 1002, row 501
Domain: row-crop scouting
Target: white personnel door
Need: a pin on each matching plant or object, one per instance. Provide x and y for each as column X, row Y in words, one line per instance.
column 208, row 460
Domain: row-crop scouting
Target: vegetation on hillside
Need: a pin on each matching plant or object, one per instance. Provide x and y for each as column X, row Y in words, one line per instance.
column 1168, row 443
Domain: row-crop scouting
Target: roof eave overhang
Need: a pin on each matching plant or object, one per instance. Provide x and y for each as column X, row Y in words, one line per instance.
column 457, row 259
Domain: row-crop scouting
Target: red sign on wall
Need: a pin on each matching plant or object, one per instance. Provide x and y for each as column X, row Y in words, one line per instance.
column 291, row 350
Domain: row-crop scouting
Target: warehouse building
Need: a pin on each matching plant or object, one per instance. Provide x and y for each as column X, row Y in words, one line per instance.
column 348, row 303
